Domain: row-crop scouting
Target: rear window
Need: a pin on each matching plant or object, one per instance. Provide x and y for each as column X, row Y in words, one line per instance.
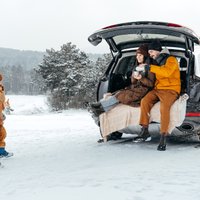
column 127, row 63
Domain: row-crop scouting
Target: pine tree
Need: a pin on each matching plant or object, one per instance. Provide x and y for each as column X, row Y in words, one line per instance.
column 63, row 72
column 70, row 77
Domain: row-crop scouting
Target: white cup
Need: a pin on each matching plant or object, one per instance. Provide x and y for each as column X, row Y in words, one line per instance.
column 135, row 73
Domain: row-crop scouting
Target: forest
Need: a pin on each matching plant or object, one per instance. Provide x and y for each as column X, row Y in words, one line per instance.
column 68, row 76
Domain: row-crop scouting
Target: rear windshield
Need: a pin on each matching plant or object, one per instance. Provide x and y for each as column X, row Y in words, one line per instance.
column 127, row 64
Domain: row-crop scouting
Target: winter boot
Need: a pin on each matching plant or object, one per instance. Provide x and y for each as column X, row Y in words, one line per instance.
column 97, row 111
column 96, row 105
column 162, row 144
column 4, row 153
column 143, row 136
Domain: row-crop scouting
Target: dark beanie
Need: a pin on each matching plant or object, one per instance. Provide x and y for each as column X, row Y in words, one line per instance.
column 155, row 45
column 143, row 49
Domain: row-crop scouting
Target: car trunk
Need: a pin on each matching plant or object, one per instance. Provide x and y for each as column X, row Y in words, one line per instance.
column 130, row 35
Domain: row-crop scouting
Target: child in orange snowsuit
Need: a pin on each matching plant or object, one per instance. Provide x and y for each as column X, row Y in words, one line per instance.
column 3, row 152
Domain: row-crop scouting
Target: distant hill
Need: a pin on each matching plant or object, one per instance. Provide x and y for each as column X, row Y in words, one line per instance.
column 24, row 58
column 27, row 59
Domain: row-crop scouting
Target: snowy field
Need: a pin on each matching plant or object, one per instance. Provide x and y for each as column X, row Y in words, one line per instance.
column 56, row 156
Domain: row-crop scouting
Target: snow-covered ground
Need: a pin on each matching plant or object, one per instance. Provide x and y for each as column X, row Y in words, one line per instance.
column 56, row 156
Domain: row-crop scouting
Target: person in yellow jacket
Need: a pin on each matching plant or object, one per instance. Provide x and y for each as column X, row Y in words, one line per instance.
column 3, row 152
column 166, row 90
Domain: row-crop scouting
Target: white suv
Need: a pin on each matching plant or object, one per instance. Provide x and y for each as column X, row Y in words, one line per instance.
column 123, row 40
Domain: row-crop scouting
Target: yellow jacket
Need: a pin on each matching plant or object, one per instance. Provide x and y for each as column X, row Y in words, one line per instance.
column 167, row 75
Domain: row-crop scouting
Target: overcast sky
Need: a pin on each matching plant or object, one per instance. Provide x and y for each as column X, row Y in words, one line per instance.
column 44, row 24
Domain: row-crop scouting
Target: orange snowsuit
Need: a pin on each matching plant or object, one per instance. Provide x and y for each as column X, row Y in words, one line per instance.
column 2, row 129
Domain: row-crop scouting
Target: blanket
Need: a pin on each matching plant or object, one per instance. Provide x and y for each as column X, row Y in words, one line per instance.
column 123, row 116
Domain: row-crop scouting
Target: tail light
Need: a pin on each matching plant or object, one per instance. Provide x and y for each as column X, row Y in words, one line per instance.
column 193, row 114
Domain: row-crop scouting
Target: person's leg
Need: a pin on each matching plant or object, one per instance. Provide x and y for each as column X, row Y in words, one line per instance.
column 146, row 104
column 3, row 152
column 167, row 98
column 2, row 136
column 109, row 103
column 104, row 105
column 145, row 107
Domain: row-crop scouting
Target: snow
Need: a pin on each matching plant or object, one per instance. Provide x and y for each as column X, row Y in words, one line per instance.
column 56, row 156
